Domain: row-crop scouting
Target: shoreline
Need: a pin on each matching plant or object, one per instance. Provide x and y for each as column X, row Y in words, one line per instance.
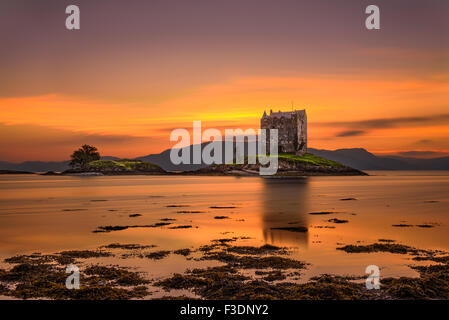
column 230, row 173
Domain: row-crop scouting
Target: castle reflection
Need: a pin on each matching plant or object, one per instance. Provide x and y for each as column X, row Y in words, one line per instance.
column 284, row 204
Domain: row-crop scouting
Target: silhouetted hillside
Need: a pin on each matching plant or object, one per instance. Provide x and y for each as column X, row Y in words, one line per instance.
column 357, row 158
column 163, row 159
column 361, row 159
column 41, row 166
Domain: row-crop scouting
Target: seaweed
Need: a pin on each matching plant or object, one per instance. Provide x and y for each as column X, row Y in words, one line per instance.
column 189, row 211
column 251, row 262
column 183, row 252
column 36, row 258
column 271, row 275
column 158, row 255
column 322, row 212
column 430, row 257
column 3, row 289
column 119, row 228
column 335, row 220
column 115, row 276
column 181, row 227
column 84, row 254
column 382, row 247
column 179, row 281
column 130, row 246
column 265, row 249
column 64, row 257
column 225, row 285
column 433, row 283
column 110, row 228
column 291, row 229
column 38, row 279
column 327, row 287
column 225, row 240
column 324, row 227
column 198, row 279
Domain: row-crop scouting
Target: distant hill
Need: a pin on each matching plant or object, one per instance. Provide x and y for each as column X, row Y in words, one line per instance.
column 357, row 158
column 41, row 166
column 15, row 172
column 163, row 159
column 35, row 166
column 361, row 159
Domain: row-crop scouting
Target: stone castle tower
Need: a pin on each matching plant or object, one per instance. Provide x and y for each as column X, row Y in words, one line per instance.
column 292, row 130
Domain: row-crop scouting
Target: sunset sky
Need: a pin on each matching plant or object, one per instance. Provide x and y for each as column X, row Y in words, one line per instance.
column 138, row 69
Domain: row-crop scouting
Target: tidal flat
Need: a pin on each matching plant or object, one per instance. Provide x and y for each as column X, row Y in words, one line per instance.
column 281, row 239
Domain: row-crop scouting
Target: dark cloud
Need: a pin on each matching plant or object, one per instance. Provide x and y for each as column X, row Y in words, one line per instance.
column 424, row 141
column 351, row 133
column 383, row 123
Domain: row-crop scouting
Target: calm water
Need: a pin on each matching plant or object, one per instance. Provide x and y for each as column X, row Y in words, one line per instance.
column 53, row 213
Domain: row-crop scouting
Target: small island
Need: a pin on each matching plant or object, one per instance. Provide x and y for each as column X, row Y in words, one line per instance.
column 289, row 165
column 117, row 167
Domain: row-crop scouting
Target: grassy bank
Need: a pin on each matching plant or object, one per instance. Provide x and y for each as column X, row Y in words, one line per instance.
column 311, row 160
column 124, row 164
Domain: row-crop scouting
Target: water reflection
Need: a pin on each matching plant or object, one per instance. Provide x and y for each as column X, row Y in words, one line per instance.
column 285, row 204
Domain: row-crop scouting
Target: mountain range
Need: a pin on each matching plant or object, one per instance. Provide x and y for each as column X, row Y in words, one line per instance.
column 361, row 159
column 357, row 158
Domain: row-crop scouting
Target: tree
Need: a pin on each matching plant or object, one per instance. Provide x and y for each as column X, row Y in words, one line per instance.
column 84, row 155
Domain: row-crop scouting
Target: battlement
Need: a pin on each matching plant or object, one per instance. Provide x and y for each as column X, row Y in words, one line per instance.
column 285, row 114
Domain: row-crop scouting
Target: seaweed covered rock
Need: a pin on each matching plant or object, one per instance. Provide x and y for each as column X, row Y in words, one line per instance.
column 119, row 167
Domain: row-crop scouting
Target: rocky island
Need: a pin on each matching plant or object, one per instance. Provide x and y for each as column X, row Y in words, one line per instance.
column 289, row 165
column 117, row 167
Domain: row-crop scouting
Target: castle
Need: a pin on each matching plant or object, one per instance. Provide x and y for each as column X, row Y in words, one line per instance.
column 292, row 130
